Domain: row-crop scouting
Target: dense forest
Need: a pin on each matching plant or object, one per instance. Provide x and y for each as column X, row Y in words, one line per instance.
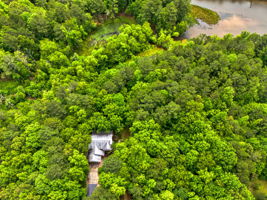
column 196, row 109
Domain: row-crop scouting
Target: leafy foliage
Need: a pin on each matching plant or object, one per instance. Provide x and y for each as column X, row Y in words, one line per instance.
column 197, row 111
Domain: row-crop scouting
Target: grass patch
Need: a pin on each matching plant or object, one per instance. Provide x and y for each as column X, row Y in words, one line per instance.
column 103, row 32
column 206, row 15
column 111, row 26
column 151, row 52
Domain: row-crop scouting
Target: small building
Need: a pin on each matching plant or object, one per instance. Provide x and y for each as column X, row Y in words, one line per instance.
column 100, row 143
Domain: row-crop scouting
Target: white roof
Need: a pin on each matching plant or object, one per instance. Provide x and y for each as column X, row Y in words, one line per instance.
column 94, row 158
column 103, row 137
column 98, row 152
column 99, row 144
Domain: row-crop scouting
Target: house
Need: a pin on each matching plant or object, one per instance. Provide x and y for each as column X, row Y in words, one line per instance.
column 100, row 143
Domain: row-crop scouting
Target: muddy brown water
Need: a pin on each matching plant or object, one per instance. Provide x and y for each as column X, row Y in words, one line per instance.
column 236, row 16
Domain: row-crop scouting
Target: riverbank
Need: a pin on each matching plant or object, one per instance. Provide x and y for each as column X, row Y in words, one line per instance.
column 206, row 15
column 236, row 16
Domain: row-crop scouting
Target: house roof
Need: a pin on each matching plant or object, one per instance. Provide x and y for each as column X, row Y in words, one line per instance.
column 100, row 143
column 94, row 158
column 98, row 151
column 102, row 136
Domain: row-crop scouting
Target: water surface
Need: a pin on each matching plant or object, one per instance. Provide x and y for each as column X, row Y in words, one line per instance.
column 236, row 16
